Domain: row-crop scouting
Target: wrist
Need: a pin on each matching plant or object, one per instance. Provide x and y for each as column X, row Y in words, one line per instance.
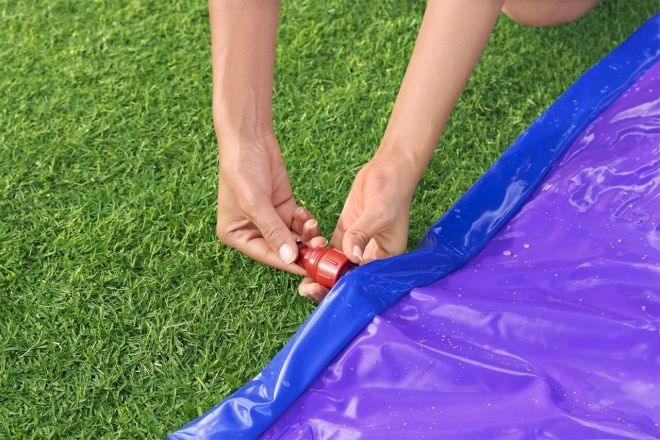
column 231, row 129
column 401, row 167
column 409, row 159
column 236, row 150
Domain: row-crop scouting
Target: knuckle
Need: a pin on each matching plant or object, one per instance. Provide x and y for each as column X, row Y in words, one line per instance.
column 249, row 202
column 251, row 199
column 226, row 231
column 361, row 237
column 302, row 213
column 223, row 235
column 269, row 230
column 389, row 217
column 222, row 229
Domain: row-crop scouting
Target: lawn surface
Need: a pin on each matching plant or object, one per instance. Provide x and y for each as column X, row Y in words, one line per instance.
column 121, row 315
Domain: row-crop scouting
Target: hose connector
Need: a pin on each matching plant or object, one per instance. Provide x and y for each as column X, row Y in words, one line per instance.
column 326, row 266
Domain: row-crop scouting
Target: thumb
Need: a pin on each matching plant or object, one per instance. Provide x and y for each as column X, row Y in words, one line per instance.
column 275, row 233
column 359, row 234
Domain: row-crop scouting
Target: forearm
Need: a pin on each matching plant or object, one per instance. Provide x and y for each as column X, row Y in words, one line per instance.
column 451, row 38
column 243, row 35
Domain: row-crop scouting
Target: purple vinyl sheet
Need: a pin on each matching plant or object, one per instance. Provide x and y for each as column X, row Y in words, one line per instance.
column 550, row 332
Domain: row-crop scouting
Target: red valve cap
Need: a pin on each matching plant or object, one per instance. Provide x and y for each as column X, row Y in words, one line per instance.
column 326, row 266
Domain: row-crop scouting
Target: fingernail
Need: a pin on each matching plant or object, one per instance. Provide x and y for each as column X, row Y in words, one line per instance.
column 357, row 252
column 309, row 290
column 286, row 254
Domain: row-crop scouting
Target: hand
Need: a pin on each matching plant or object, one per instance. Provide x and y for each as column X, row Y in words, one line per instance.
column 374, row 221
column 256, row 211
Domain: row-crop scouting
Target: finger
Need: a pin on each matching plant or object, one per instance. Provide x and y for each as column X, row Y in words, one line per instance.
column 257, row 249
column 302, row 287
column 312, row 290
column 275, row 233
column 359, row 234
column 374, row 251
column 317, row 242
column 300, row 217
column 388, row 243
column 338, row 234
column 310, row 230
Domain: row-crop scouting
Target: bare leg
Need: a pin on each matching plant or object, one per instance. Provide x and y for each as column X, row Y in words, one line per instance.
column 547, row 12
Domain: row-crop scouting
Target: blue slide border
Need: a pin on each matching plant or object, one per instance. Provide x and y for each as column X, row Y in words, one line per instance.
column 450, row 243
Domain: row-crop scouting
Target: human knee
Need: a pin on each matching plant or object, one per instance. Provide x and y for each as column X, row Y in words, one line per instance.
column 547, row 12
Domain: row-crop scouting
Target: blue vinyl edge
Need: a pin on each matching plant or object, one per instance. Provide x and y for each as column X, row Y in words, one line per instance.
column 450, row 243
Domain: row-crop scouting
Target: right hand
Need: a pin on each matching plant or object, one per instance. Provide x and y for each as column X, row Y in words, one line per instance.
column 374, row 222
column 256, row 211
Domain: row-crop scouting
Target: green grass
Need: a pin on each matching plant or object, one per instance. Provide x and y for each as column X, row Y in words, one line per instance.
column 121, row 316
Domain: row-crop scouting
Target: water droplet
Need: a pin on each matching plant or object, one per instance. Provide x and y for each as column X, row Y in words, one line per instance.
column 643, row 308
column 286, row 383
column 375, row 362
column 526, row 245
column 507, row 253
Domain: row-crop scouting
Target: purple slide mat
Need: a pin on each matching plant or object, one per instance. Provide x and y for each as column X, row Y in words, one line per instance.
column 550, row 332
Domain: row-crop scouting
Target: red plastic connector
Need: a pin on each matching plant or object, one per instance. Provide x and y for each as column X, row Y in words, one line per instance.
column 326, row 266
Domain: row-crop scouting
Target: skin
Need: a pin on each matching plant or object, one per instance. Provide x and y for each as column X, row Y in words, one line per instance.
column 257, row 213
column 256, row 210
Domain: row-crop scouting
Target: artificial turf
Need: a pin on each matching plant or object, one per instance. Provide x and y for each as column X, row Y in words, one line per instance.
column 121, row 315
